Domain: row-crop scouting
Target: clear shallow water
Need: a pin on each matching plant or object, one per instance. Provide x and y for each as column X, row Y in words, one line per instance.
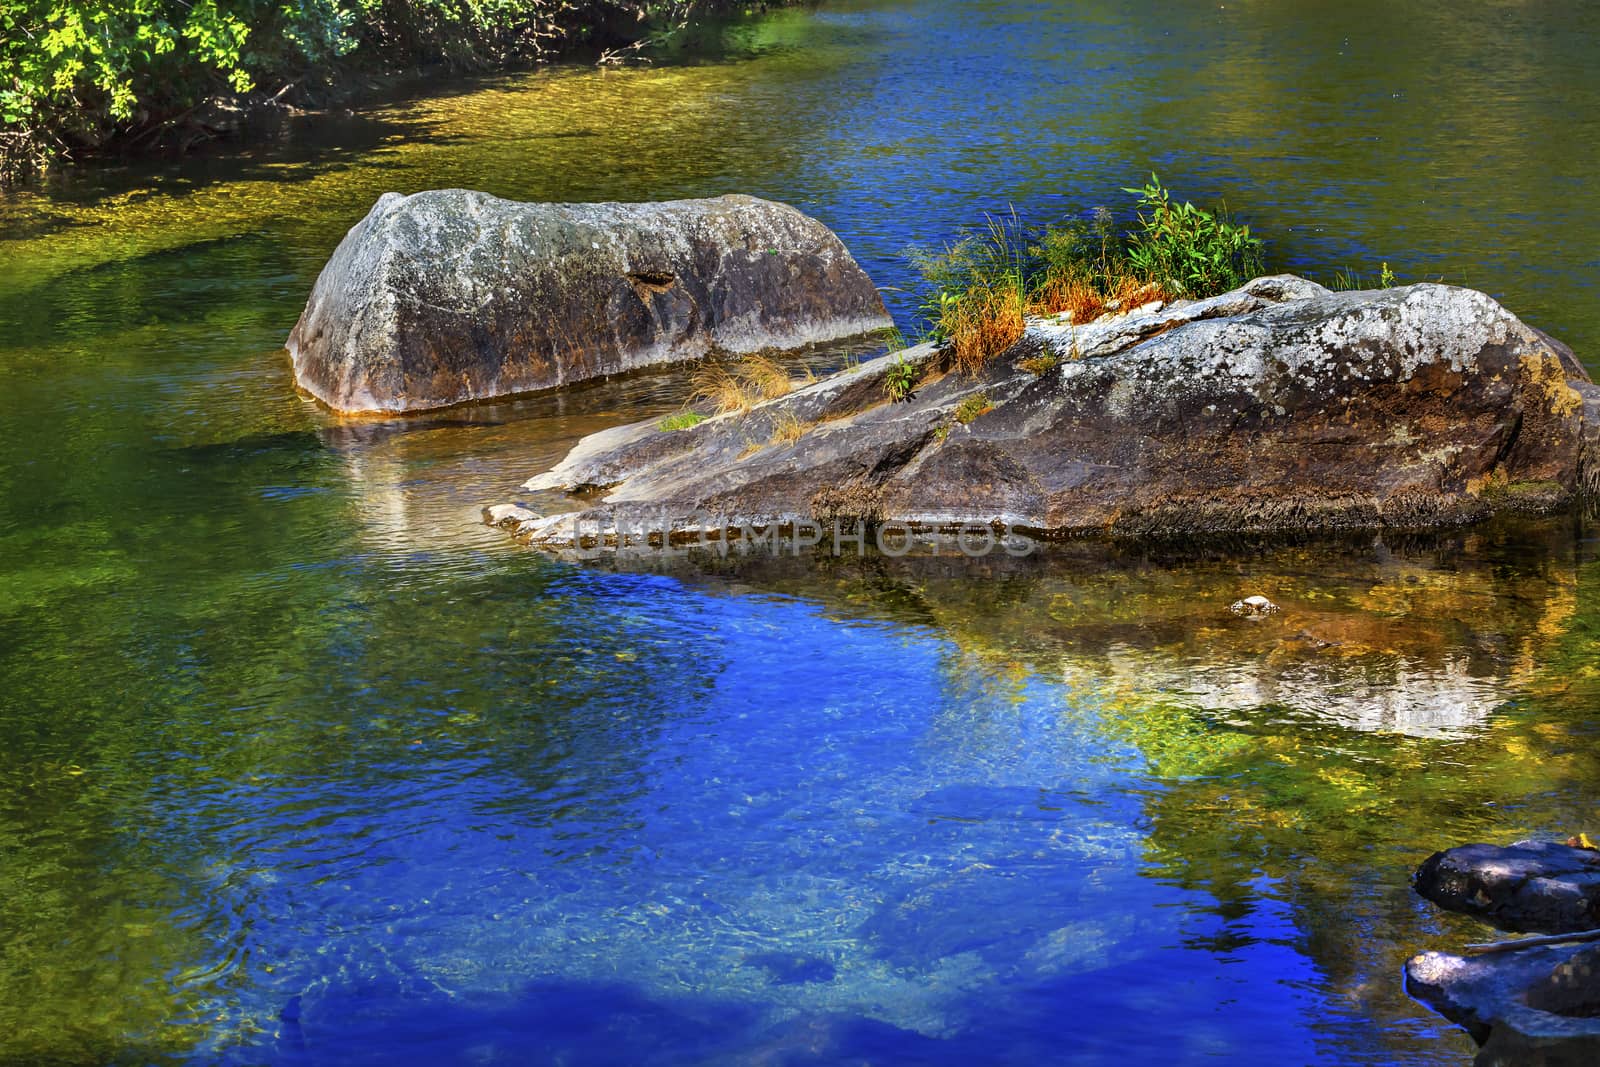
column 299, row 764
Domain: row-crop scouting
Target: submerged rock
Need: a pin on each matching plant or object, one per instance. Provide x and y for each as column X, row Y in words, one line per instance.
column 1532, row 1007
column 507, row 515
column 1280, row 406
column 792, row 968
column 448, row 296
column 1533, row 886
column 1254, row 606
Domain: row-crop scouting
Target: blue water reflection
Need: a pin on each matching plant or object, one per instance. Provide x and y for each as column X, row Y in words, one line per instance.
column 804, row 840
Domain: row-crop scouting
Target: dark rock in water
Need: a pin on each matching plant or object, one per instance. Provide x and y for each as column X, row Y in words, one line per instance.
column 791, row 968
column 448, row 296
column 1535, row 886
column 1573, row 988
column 1504, row 1001
column 1280, row 406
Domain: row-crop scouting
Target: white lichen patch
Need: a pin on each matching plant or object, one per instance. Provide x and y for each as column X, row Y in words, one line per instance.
column 1303, row 337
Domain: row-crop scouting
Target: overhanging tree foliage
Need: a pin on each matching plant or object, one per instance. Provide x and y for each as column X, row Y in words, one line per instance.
column 82, row 71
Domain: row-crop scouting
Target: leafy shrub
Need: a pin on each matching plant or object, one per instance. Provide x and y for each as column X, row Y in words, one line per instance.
column 78, row 72
column 1187, row 250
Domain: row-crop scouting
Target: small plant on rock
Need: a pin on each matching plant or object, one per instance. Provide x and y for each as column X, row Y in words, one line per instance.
column 900, row 381
column 973, row 406
column 743, row 385
column 1040, row 365
column 1347, row 280
column 765, row 376
column 787, row 430
column 685, row 420
column 722, row 389
column 892, row 339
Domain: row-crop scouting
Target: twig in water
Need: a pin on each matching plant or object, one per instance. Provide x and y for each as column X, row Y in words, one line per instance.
column 1533, row 942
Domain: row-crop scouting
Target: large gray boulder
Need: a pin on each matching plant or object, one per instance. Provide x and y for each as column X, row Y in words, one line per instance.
column 448, row 296
column 1280, row 406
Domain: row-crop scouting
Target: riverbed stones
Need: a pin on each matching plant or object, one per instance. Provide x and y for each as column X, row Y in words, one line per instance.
column 449, row 296
column 1279, row 406
column 1530, row 886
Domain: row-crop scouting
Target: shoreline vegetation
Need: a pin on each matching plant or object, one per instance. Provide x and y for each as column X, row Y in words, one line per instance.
column 81, row 77
column 975, row 294
column 978, row 292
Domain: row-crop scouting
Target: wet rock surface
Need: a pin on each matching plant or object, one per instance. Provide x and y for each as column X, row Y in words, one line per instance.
column 449, row 296
column 1530, row 886
column 1280, row 406
column 1534, row 1004
column 1516, row 1005
column 1571, row 988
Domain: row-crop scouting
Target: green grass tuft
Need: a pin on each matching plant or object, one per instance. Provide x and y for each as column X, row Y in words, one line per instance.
column 686, row 420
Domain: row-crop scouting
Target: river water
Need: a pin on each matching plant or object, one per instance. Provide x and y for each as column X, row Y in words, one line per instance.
column 299, row 764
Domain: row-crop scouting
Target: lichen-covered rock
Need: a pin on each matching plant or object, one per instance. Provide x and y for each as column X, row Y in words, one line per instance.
column 448, row 296
column 1533, row 886
column 1280, row 406
column 1505, row 1002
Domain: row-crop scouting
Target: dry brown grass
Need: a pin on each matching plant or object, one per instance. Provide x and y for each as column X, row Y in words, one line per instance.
column 1087, row 300
column 986, row 321
column 983, row 323
column 787, row 430
column 742, row 385
column 722, row 389
column 764, row 376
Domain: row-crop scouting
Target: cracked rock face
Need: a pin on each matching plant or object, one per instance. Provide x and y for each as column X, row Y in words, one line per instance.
column 449, row 296
column 1279, row 406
